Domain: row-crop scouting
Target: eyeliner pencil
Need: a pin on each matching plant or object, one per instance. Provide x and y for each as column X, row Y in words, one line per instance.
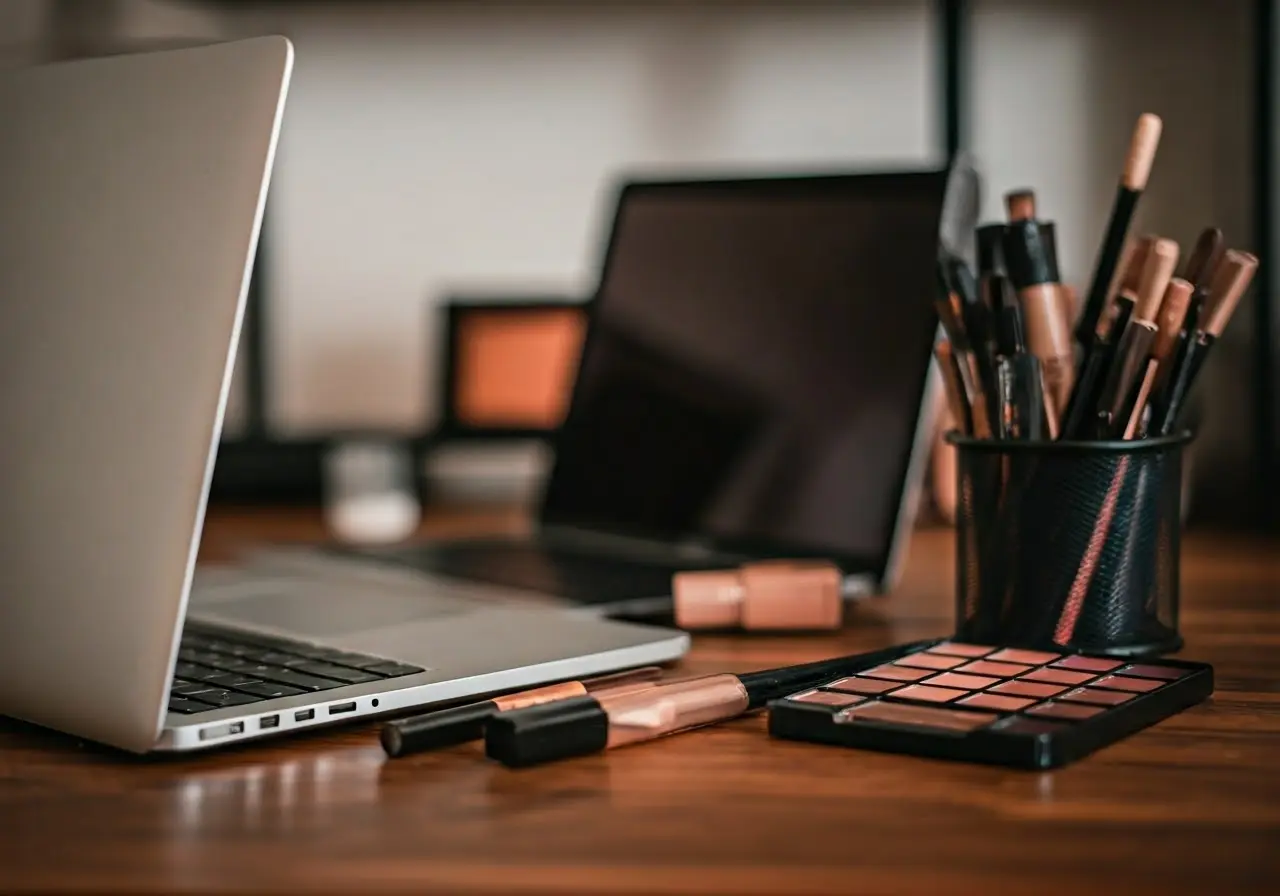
column 585, row 725
column 1230, row 281
column 1204, row 260
column 1134, row 345
column 460, row 724
column 1133, row 180
column 1173, row 309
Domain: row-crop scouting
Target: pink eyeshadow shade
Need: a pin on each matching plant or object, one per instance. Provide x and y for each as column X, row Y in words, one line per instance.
column 1087, row 664
column 863, row 685
column 1164, row 673
column 898, row 673
column 1057, row 676
column 954, row 649
column 1001, row 670
column 1027, row 689
column 956, row 680
column 1074, row 711
column 1030, row 657
column 996, row 701
column 1121, row 683
column 827, row 698
column 930, row 661
column 1097, row 696
column 928, row 694
column 906, row 715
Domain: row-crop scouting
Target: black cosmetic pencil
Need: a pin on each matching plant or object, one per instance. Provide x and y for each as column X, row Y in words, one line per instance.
column 1204, row 260
column 1230, row 281
column 1133, row 180
column 586, row 725
column 460, row 724
column 1134, row 345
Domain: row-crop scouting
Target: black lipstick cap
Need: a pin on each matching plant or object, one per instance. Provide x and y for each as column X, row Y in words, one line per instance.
column 578, row 726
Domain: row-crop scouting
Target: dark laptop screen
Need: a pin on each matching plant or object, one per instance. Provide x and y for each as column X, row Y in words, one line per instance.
column 754, row 367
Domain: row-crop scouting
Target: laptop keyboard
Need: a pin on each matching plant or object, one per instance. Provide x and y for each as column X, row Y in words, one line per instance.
column 218, row 668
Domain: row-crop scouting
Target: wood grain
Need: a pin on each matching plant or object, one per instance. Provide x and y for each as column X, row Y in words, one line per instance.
column 1191, row 806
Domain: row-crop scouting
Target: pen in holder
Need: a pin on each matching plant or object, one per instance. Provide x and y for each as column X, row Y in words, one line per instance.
column 1072, row 545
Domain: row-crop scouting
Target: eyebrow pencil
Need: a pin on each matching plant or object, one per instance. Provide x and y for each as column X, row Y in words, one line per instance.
column 461, row 724
column 1133, row 180
column 1134, row 345
column 1201, row 264
column 1034, row 275
column 1173, row 307
column 1230, row 281
column 591, row 724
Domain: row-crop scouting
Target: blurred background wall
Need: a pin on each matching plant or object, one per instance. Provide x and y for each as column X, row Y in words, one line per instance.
column 474, row 146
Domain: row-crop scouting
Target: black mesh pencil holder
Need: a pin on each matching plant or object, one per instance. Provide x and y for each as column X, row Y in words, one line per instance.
column 1069, row 544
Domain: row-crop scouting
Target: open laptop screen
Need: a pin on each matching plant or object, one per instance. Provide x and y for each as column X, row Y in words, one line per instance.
column 755, row 364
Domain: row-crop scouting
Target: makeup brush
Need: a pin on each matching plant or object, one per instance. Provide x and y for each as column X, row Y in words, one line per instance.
column 991, row 264
column 954, row 387
column 1229, row 283
column 1134, row 345
column 1133, row 180
column 1034, row 275
column 591, row 724
column 954, row 313
column 460, row 724
column 976, row 316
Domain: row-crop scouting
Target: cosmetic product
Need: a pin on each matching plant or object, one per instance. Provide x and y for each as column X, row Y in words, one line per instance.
column 1173, row 307
column 1035, row 276
column 991, row 269
column 1230, row 281
column 1134, row 346
column 1020, row 204
column 953, row 386
column 976, row 318
column 951, row 313
column 771, row 595
column 592, row 724
column 1019, row 387
column 461, row 724
column 1199, row 270
column 1133, row 180
column 1031, row 709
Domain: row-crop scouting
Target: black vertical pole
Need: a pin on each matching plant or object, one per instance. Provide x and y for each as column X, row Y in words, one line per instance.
column 1266, row 338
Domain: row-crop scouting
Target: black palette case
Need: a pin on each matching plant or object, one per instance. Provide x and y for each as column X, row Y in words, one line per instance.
column 1033, row 709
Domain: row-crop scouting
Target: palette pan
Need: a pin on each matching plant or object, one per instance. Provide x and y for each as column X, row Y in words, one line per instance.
column 999, row 705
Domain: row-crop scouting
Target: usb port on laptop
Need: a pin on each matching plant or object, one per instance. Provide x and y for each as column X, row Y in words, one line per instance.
column 304, row 715
column 268, row 722
column 337, row 708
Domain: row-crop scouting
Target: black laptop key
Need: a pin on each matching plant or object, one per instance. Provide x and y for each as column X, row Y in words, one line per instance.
column 268, row 690
column 338, row 673
column 221, row 697
column 192, row 671
column 296, row 679
column 186, row 706
column 393, row 670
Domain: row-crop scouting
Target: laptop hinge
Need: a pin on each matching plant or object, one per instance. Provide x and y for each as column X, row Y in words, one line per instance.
column 633, row 546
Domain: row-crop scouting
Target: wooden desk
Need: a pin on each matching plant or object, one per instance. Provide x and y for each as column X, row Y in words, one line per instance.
column 1190, row 806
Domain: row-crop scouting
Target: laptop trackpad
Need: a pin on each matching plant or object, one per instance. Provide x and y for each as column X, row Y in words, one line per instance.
column 313, row 611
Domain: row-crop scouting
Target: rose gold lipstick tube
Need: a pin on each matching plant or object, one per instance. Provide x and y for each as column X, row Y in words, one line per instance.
column 771, row 595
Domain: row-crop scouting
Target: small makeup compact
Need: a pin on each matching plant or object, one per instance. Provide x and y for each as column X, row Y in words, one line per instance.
column 998, row 705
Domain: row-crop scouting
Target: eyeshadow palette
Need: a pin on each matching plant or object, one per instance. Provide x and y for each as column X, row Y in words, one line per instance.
column 999, row 705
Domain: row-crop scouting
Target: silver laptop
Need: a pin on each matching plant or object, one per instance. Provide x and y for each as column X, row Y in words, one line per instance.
column 131, row 195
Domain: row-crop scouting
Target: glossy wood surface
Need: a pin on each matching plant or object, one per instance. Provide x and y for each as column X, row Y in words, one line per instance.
column 1191, row 806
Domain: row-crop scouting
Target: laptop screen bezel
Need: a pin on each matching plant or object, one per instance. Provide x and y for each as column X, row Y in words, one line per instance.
column 878, row 565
